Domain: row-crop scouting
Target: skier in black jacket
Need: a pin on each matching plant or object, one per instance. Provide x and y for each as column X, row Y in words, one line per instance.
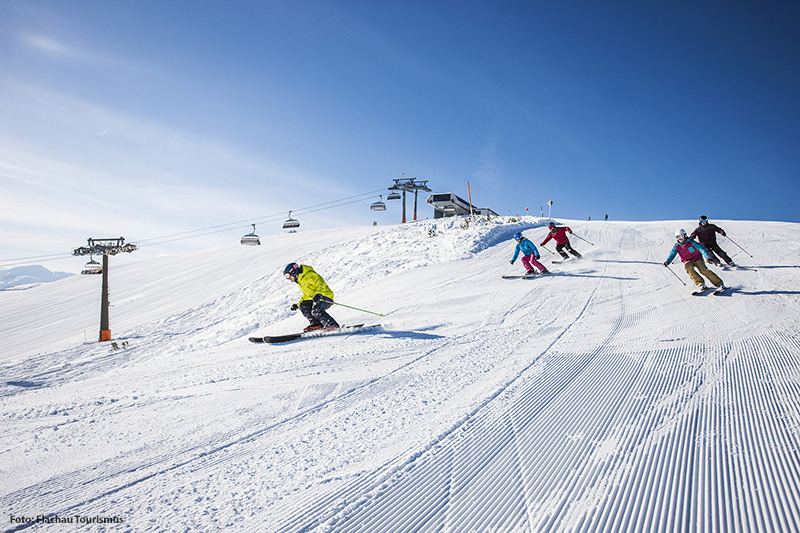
column 706, row 233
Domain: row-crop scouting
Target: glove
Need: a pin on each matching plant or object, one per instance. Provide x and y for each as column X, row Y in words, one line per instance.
column 723, row 234
column 512, row 262
column 294, row 307
column 666, row 264
column 317, row 297
column 536, row 257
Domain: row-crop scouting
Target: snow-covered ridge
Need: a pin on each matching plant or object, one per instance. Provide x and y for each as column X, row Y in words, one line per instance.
column 25, row 276
column 235, row 290
column 602, row 398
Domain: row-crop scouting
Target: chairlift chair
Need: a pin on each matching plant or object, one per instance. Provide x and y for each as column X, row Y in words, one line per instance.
column 394, row 196
column 251, row 239
column 92, row 267
column 379, row 205
column 291, row 223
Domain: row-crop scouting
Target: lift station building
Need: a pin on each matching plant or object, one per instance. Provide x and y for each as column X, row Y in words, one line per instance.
column 448, row 204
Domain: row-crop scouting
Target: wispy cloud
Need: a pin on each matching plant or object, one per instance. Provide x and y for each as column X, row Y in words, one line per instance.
column 72, row 169
column 52, row 46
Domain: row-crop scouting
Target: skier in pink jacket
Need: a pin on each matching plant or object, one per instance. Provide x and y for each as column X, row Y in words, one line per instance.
column 692, row 254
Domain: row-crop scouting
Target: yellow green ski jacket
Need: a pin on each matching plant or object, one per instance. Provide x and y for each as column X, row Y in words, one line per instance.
column 311, row 283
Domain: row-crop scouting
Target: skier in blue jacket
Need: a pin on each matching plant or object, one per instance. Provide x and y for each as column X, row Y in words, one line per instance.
column 530, row 255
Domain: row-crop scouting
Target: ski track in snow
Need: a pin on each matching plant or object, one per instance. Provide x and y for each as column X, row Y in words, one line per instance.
column 602, row 398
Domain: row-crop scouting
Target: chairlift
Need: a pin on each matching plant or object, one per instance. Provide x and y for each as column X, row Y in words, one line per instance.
column 394, row 196
column 379, row 205
column 92, row 267
column 251, row 239
column 291, row 223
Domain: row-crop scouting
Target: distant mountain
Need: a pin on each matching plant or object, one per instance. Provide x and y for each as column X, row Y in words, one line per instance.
column 26, row 275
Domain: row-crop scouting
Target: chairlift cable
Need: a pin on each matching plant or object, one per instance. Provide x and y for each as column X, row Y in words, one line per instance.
column 201, row 232
column 241, row 224
column 20, row 261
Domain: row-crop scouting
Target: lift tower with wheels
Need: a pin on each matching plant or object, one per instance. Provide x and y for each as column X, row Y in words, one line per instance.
column 104, row 247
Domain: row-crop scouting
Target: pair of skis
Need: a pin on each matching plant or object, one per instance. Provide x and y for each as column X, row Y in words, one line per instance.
column 528, row 276
column 342, row 330
column 540, row 274
column 717, row 291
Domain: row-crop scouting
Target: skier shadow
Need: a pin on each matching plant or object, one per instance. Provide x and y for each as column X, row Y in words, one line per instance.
column 24, row 384
column 579, row 275
column 758, row 293
column 12, row 387
column 628, row 262
column 396, row 334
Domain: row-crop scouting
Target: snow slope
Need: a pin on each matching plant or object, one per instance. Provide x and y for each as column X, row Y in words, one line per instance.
column 602, row 398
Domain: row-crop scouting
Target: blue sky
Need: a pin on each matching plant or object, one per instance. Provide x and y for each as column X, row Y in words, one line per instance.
column 150, row 118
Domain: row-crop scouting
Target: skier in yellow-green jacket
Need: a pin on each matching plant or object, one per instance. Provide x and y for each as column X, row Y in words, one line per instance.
column 317, row 296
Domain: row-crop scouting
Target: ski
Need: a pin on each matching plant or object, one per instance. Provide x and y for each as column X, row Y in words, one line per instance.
column 274, row 339
column 277, row 339
column 734, row 267
column 720, row 290
column 528, row 276
column 700, row 292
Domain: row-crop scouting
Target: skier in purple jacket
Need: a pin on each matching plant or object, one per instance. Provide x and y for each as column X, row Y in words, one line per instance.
column 692, row 254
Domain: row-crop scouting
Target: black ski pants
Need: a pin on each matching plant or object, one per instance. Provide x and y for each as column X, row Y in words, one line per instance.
column 317, row 311
column 560, row 249
column 714, row 247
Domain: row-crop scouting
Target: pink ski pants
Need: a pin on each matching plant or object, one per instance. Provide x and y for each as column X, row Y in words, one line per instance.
column 529, row 262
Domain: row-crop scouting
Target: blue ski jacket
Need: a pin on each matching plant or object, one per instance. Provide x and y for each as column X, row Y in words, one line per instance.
column 526, row 247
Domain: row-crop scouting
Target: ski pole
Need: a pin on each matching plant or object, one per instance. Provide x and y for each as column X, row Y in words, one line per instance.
column 742, row 249
column 357, row 309
column 581, row 238
column 674, row 274
column 546, row 248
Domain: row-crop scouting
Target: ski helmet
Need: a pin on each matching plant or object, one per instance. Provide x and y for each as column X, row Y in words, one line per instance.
column 551, row 225
column 291, row 271
column 518, row 236
column 680, row 234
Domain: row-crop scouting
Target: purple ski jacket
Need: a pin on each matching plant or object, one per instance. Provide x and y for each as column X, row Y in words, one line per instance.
column 689, row 250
